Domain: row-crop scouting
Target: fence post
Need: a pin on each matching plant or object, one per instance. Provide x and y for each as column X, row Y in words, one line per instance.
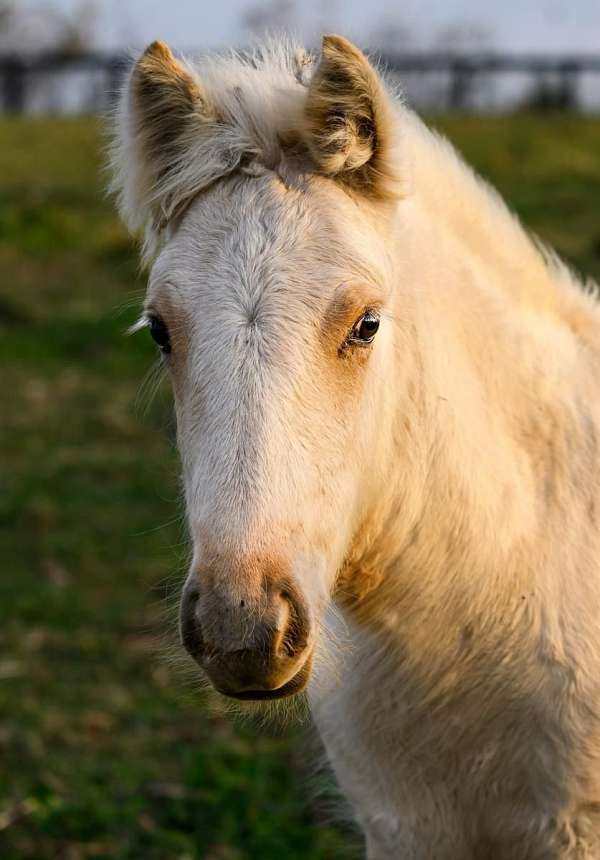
column 115, row 70
column 461, row 83
column 14, row 84
column 568, row 85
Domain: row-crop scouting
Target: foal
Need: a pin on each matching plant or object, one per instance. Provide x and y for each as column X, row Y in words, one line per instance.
column 388, row 413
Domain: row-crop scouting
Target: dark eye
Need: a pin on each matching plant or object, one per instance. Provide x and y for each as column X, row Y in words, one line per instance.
column 160, row 334
column 365, row 328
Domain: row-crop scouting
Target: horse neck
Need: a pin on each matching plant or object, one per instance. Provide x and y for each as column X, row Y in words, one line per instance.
column 481, row 410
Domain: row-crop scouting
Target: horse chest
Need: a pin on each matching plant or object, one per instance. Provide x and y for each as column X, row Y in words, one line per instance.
column 434, row 779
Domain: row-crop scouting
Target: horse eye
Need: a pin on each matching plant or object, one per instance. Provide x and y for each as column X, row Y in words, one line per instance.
column 160, row 334
column 365, row 329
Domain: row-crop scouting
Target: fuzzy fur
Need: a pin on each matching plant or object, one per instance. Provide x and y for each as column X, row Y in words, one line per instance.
column 436, row 496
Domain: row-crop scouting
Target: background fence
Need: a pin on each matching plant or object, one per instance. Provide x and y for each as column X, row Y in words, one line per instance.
column 86, row 83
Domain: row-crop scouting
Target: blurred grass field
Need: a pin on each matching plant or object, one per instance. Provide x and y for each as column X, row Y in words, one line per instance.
column 106, row 750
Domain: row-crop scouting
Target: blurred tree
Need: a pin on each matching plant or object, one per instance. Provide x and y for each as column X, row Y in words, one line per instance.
column 392, row 35
column 464, row 37
column 261, row 17
column 28, row 28
column 36, row 27
column 6, row 10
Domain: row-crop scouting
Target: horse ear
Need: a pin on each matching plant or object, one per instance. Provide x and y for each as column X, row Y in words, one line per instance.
column 162, row 110
column 349, row 121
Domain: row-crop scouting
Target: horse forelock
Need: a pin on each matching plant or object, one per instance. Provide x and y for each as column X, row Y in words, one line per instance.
column 257, row 99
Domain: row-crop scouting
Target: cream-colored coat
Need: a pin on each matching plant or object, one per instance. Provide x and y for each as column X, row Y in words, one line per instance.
column 436, row 494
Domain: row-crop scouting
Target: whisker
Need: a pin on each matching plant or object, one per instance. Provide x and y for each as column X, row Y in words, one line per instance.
column 135, row 299
column 176, row 519
column 149, row 387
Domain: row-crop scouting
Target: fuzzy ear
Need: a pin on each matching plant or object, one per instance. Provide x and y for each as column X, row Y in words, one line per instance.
column 349, row 121
column 162, row 112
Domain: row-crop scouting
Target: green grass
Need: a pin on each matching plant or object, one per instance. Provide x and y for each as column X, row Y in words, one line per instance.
column 106, row 749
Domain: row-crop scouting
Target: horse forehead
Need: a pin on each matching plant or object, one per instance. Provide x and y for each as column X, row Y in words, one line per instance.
column 249, row 218
column 250, row 240
column 253, row 241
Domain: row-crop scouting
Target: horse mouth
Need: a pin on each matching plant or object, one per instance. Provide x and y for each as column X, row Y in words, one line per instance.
column 291, row 688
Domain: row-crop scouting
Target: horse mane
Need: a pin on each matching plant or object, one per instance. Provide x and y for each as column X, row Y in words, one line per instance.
column 479, row 219
column 259, row 99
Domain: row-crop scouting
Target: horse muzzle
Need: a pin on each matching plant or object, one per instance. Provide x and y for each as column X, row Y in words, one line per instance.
column 253, row 644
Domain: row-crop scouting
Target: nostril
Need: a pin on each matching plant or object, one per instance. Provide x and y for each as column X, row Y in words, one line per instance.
column 191, row 636
column 292, row 626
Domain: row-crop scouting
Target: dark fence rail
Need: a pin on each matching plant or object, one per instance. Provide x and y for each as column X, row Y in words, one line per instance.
column 20, row 73
column 558, row 76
